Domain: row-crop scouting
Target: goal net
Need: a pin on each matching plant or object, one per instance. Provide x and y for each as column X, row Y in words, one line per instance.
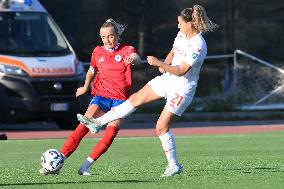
column 256, row 84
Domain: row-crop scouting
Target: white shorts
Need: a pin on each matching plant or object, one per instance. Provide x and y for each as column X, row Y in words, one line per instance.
column 179, row 95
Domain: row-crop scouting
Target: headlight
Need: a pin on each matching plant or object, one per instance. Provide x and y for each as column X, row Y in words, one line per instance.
column 79, row 67
column 8, row 69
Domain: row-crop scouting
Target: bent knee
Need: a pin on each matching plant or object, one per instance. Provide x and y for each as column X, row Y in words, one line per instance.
column 135, row 99
column 161, row 131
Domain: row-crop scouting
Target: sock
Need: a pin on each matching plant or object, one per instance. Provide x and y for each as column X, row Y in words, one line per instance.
column 105, row 142
column 169, row 146
column 120, row 111
column 73, row 140
column 64, row 157
column 86, row 165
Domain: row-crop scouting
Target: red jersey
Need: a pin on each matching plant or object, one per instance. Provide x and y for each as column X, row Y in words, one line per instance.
column 113, row 78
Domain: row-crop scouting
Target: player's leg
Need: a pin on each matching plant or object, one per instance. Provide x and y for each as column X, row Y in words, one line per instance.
column 110, row 133
column 101, row 147
column 168, row 143
column 74, row 139
column 153, row 90
column 178, row 99
column 143, row 96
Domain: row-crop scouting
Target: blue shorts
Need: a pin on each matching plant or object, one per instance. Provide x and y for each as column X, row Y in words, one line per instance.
column 106, row 104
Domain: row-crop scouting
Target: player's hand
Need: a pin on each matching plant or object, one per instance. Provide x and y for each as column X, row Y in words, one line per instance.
column 161, row 70
column 153, row 61
column 80, row 91
column 128, row 60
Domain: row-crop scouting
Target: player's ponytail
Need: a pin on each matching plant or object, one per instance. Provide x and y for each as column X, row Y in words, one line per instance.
column 198, row 17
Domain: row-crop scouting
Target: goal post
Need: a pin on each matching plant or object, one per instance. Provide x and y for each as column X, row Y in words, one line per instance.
column 257, row 84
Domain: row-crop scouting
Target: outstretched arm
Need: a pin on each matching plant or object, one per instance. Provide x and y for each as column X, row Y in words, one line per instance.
column 176, row 70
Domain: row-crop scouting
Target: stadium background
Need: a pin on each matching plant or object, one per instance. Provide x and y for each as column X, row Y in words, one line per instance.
column 254, row 26
column 227, row 159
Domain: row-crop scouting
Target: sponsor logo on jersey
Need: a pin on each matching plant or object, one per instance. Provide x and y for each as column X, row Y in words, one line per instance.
column 194, row 56
column 101, row 59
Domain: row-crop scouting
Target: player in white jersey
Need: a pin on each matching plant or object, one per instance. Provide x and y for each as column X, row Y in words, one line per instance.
column 179, row 89
column 177, row 84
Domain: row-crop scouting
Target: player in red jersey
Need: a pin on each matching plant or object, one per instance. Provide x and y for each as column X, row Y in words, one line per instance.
column 110, row 68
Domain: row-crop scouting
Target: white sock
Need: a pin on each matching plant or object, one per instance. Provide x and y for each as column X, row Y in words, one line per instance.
column 90, row 160
column 169, row 146
column 120, row 111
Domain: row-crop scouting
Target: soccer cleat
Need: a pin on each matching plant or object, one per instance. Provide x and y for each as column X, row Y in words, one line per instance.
column 44, row 171
column 84, row 173
column 172, row 170
column 91, row 123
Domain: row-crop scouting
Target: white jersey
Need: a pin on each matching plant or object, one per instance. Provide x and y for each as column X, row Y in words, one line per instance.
column 191, row 51
column 179, row 91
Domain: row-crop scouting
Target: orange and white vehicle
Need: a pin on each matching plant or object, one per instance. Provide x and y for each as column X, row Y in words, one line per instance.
column 39, row 70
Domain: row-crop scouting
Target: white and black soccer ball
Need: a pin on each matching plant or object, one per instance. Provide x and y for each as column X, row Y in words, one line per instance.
column 52, row 160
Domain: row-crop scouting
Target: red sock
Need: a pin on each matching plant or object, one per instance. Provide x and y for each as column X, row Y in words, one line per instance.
column 105, row 142
column 73, row 140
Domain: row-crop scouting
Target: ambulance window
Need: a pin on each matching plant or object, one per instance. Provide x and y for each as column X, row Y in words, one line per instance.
column 31, row 32
column 60, row 40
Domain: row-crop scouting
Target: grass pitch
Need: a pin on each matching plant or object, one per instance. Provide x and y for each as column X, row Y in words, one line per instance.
column 211, row 161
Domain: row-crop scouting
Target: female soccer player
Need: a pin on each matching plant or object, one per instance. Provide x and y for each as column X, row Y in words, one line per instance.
column 177, row 85
column 112, row 65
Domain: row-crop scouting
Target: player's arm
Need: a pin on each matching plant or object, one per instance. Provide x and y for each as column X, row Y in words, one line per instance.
column 169, row 57
column 133, row 59
column 90, row 74
column 168, row 60
column 176, row 70
column 136, row 58
column 89, row 78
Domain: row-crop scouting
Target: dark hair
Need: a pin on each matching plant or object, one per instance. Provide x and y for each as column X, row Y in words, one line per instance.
column 186, row 14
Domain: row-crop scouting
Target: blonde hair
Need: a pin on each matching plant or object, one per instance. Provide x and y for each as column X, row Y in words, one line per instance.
column 118, row 28
column 198, row 17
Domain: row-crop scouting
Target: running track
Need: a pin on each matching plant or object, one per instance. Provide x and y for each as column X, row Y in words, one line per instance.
column 178, row 128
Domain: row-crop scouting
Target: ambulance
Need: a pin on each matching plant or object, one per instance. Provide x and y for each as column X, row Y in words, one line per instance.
column 39, row 71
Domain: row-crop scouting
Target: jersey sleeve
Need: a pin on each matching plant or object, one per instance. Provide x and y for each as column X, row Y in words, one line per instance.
column 93, row 65
column 129, row 50
column 193, row 55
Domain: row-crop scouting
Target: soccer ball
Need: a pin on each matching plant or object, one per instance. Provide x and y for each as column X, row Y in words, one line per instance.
column 52, row 160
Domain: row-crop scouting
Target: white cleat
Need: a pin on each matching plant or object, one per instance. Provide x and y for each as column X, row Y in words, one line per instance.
column 172, row 170
column 44, row 171
column 84, row 173
column 91, row 123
